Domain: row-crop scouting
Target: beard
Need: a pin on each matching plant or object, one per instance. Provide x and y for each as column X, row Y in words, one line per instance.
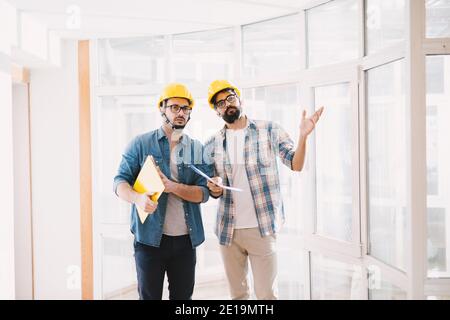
column 173, row 124
column 179, row 126
column 233, row 116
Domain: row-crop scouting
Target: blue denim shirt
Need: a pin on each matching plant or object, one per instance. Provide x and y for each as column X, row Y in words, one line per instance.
column 156, row 144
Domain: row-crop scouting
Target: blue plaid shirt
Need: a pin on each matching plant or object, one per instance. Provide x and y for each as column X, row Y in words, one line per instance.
column 264, row 141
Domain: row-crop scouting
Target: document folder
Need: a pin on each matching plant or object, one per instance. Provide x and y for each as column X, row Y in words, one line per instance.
column 148, row 181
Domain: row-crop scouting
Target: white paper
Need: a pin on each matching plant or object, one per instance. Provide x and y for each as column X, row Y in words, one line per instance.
column 211, row 180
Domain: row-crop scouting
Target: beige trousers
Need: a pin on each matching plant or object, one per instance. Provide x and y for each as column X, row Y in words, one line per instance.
column 247, row 244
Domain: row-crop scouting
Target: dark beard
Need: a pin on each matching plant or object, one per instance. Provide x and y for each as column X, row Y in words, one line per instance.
column 231, row 118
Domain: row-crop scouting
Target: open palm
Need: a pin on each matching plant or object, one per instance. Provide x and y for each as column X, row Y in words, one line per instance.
column 308, row 124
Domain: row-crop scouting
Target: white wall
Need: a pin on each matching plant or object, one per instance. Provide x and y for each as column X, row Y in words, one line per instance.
column 22, row 196
column 8, row 27
column 7, row 285
column 55, row 178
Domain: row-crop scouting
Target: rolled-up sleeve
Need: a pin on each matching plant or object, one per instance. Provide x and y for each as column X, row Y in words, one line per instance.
column 202, row 183
column 201, row 163
column 205, row 194
column 129, row 165
column 283, row 144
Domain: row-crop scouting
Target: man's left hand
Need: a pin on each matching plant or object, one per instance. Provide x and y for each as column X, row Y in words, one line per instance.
column 169, row 185
column 308, row 124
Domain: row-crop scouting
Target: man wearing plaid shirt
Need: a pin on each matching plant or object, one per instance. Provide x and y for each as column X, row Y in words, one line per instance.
column 244, row 154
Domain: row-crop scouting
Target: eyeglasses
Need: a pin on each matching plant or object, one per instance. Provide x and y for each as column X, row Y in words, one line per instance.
column 175, row 108
column 221, row 104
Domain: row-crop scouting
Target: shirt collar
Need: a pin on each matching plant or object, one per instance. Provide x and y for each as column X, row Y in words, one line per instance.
column 160, row 134
column 251, row 124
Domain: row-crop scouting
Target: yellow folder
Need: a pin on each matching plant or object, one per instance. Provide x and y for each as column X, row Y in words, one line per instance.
column 148, row 181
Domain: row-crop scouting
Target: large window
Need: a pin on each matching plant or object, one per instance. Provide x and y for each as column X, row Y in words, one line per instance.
column 118, row 120
column 386, row 163
column 385, row 24
column 438, row 168
column 386, row 291
column 332, row 32
column 271, row 47
column 203, row 56
column 334, row 162
column 438, row 13
column 134, row 61
column 335, row 280
column 118, row 259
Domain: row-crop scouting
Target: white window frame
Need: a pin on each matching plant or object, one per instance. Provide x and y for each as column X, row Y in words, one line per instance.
column 428, row 46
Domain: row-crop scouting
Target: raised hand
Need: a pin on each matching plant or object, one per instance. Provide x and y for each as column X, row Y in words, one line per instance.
column 308, row 124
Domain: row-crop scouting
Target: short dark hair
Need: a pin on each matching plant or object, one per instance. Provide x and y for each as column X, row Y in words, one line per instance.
column 213, row 99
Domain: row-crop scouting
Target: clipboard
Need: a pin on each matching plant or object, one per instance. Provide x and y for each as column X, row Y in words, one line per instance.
column 148, row 181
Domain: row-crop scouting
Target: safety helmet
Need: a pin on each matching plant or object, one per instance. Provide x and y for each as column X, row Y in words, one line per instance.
column 217, row 86
column 176, row 90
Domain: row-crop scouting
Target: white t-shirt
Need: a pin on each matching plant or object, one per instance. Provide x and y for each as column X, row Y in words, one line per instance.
column 245, row 214
column 174, row 223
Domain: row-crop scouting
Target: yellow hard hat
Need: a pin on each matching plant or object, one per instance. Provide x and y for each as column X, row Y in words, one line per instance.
column 176, row 90
column 219, row 85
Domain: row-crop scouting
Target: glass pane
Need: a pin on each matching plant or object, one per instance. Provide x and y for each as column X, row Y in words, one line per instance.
column 334, row 162
column 278, row 103
column 385, row 23
column 438, row 13
column 386, row 291
column 387, row 157
column 120, row 119
column 132, row 61
column 335, row 280
column 271, row 47
column 438, row 168
column 210, row 282
column 291, row 270
column 203, row 56
column 118, row 259
column 332, row 32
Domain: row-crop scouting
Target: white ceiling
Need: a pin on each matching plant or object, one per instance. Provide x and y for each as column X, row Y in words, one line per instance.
column 116, row 18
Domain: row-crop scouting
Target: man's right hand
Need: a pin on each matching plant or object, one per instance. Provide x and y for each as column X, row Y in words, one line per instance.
column 144, row 202
column 214, row 188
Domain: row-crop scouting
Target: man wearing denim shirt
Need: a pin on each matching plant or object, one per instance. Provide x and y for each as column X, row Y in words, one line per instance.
column 244, row 155
column 166, row 241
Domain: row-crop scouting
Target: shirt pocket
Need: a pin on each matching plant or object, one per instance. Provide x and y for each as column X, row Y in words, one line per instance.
column 264, row 154
column 219, row 164
column 159, row 162
column 188, row 176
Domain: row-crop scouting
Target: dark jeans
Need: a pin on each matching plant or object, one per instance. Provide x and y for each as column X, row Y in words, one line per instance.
column 174, row 256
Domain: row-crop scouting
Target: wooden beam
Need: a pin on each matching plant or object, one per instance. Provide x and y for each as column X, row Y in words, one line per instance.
column 20, row 74
column 87, row 288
